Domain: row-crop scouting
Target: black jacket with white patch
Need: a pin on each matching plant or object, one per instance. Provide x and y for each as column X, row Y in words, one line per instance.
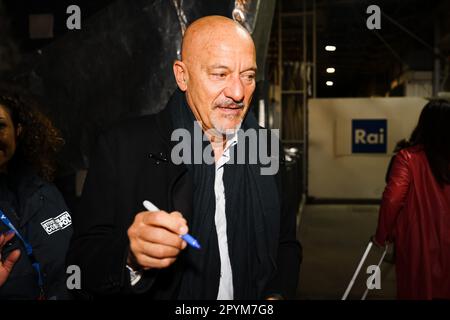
column 38, row 211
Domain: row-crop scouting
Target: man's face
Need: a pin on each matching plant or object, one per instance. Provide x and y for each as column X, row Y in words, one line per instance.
column 7, row 138
column 221, row 83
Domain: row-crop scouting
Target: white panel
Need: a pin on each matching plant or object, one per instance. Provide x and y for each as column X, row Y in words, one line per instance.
column 333, row 171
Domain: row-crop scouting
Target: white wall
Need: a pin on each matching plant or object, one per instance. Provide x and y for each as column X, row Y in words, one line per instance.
column 333, row 171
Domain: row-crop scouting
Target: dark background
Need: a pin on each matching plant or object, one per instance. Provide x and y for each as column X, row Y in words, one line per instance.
column 119, row 65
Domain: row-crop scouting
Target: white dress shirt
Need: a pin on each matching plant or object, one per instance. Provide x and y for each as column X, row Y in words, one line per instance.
column 226, row 273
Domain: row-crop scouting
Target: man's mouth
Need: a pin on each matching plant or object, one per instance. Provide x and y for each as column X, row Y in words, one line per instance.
column 231, row 110
column 230, row 106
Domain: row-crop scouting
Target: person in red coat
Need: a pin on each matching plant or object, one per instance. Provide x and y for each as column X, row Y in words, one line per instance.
column 415, row 209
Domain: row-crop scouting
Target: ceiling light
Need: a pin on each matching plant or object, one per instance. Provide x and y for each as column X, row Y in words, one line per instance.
column 329, row 83
column 330, row 48
column 331, row 70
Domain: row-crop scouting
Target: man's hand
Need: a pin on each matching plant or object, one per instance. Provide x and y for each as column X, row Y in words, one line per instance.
column 7, row 265
column 155, row 239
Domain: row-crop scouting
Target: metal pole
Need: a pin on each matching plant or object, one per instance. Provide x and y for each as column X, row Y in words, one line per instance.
column 361, row 262
column 305, row 98
column 314, row 50
column 280, row 67
column 379, row 265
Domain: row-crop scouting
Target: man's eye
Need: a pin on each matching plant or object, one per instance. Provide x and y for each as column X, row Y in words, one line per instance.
column 249, row 77
column 219, row 75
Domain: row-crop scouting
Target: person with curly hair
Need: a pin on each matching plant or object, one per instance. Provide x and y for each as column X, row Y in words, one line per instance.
column 35, row 223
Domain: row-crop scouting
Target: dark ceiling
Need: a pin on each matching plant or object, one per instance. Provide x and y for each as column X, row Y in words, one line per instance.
column 366, row 61
column 18, row 11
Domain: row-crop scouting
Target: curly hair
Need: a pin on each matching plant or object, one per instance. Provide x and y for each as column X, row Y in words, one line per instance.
column 39, row 141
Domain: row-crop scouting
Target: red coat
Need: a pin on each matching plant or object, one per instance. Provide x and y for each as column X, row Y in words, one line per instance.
column 415, row 214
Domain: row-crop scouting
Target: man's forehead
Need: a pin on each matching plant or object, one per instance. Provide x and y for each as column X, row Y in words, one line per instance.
column 227, row 62
column 227, row 50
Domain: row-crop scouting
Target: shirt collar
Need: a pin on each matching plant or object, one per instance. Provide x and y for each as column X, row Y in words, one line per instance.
column 231, row 141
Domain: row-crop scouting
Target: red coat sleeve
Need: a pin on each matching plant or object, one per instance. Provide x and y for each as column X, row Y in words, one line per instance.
column 394, row 197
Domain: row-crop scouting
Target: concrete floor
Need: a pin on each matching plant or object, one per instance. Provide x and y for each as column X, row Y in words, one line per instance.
column 334, row 238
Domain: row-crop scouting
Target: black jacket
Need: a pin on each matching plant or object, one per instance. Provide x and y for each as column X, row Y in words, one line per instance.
column 32, row 208
column 131, row 163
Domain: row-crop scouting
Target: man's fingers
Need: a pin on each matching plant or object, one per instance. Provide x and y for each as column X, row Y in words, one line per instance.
column 177, row 214
column 156, row 250
column 9, row 262
column 173, row 222
column 155, row 240
column 161, row 236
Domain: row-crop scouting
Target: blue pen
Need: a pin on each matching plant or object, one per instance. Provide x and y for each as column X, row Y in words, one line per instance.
column 186, row 237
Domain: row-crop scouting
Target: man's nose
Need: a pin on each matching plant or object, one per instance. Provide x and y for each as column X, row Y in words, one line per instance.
column 235, row 89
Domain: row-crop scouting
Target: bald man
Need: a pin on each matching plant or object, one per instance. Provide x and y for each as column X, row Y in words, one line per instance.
column 248, row 242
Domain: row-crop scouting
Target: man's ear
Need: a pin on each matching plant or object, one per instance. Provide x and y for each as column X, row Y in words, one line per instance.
column 181, row 75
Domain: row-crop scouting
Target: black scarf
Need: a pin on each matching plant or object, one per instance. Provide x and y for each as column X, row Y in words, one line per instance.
column 252, row 213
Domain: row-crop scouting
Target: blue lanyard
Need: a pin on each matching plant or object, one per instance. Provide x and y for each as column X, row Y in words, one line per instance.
column 28, row 248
